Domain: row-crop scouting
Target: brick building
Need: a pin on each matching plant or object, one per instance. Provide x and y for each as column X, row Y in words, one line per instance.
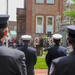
column 12, row 25
column 39, row 16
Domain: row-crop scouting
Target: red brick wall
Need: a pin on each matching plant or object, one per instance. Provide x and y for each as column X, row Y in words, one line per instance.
column 29, row 17
column 11, row 25
column 33, row 9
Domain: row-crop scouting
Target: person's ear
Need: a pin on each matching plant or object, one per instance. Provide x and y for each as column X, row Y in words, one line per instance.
column 6, row 32
column 68, row 42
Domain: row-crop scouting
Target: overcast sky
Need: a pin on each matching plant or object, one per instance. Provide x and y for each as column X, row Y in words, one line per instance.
column 12, row 5
column 70, row 1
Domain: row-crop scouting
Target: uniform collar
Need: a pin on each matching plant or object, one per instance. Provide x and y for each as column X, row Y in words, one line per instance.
column 56, row 45
column 25, row 45
column 72, row 53
column 1, row 43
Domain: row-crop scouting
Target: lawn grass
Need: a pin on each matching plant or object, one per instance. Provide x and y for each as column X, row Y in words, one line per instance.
column 41, row 64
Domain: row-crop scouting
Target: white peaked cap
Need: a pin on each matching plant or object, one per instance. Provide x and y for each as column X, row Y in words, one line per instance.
column 57, row 36
column 25, row 37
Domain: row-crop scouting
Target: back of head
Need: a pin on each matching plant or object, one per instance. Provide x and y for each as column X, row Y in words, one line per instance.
column 26, row 38
column 3, row 24
column 57, row 38
column 71, row 35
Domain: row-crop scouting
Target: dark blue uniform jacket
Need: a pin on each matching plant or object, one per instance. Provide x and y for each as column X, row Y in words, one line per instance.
column 65, row 65
column 12, row 61
column 55, row 52
column 31, row 58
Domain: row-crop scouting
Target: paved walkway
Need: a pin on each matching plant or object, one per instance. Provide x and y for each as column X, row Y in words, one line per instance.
column 40, row 71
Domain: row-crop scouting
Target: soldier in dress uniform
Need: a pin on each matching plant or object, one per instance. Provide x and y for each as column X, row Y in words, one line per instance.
column 65, row 65
column 55, row 51
column 12, row 61
column 30, row 53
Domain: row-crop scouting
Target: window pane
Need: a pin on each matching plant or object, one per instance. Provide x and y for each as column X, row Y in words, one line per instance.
column 49, row 21
column 39, row 1
column 49, row 24
column 39, row 29
column 39, row 24
column 50, row 1
column 39, row 20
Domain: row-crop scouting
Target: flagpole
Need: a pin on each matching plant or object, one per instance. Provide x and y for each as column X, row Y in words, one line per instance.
column 7, row 23
column 7, row 7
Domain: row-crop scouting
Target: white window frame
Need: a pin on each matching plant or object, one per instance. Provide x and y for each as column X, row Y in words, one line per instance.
column 42, row 24
column 52, row 24
column 39, row 1
column 49, row 2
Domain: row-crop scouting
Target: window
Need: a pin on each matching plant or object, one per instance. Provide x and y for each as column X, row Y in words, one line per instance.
column 49, row 24
column 50, row 2
column 39, row 1
column 39, row 24
column 49, row 21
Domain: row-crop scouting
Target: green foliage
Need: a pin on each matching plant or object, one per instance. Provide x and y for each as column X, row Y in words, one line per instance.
column 73, row 0
column 70, row 13
column 41, row 64
column 44, row 52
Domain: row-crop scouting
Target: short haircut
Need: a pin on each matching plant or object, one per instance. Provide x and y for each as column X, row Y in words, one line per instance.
column 72, row 41
column 2, row 32
column 57, row 41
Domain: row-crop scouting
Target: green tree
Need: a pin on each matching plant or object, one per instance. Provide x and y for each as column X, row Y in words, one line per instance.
column 71, row 13
column 73, row 1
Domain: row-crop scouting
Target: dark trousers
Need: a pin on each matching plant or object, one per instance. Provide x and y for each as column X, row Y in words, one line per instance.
column 38, row 51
